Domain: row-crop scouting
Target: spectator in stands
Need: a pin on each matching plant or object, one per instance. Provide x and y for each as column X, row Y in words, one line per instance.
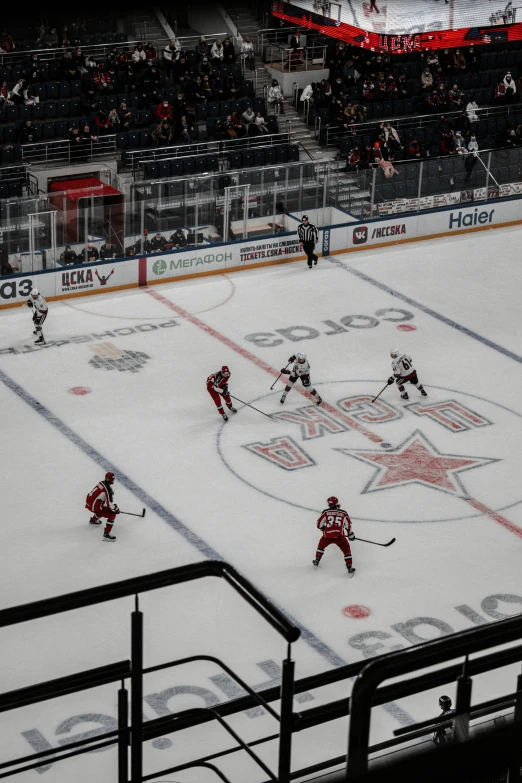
column 216, row 51
column 262, row 126
column 446, row 61
column 114, row 121
column 337, row 88
column 163, row 111
column 387, row 168
column 68, row 256
column 444, row 736
column 179, row 105
column 90, row 253
column 237, row 125
column 27, row 133
column 368, row 90
column 150, row 52
column 102, row 80
column 350, row 73
column 447, row 144
column 187, row 129
column 414, row 149
column 162, row 134
column 125, row 115
column 20, row 93
column 229, row 53
column 392, row 91
column 203, row 69
column 6, row 42
column 460, row 144
column 154, row 76
column 68, row 66
column 426, row 80
column 88, row 135
column 471, row 111
column 139, row 57
column 391, row 139
column 249, row 121
column 229, row 127
column 376, row 154
column 76, row 146
column 50, row 39
column 473, row 60
column 402, row 87
column 275, row 96
column 459, row 62
column 232, row 87
column 79, row 61
column 181, row 72
column 218, row 131
column 432, row 60
column 326, row 88
column 4, row 94
column 380, row 87
column 509, row 84
column 455, row 98
column 178, row 238
column 102, row 122
column 247, row 53
column 202, row 49
column 353, row 161
column 157, row 243
column 433, row 101
column 131, row 250
column 33, row 72
column 463, row 124
column 500, row 92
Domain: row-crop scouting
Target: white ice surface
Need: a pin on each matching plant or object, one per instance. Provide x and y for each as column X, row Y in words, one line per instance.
column 158, row 426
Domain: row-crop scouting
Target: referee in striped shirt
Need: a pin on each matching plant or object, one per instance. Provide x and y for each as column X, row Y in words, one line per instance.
column 308, row 236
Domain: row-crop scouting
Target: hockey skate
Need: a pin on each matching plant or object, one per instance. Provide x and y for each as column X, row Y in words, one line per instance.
column 315, row 563
column 351, row 572
column 225, row 417
column 40, row 340
column 233, row 410
column 283, row 398
column 423, row 392
column 404, row 396
column 315, row 262
column 94, row 521
column 319, row 400
column 108, row 537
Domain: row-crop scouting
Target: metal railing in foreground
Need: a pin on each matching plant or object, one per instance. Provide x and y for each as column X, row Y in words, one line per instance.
column 133, row 735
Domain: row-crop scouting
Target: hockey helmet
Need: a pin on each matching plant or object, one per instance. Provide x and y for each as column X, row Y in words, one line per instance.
column 333, row 502
column 301, row 357
column 110, row 477
column 225, row 372
column 394, row 353
column 305, row 217
column 34, row 293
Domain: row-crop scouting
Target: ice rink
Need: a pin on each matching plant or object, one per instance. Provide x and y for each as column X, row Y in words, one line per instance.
column 440, row 474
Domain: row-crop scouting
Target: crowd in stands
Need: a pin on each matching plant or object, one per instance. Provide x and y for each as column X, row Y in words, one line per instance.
column 363, row 86
column 138, row 87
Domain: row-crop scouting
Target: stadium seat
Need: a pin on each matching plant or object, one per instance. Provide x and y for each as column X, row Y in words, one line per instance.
column 188, row 166
column 281, row 153
column 151, row 171
column 235, row 160
column 247, row 159
column 201, row 164
column 163, row 168
column 175, row 168
column 14, row 188
column 292, row 153
column 270, row 156
column 259, row 158
column 212, row 163
column 48, row 130
column 64, row 108
column 201, row 111
column 133, row 139
column 50, row 110
column 52, row 91
column 213, row 109
column 4, row 192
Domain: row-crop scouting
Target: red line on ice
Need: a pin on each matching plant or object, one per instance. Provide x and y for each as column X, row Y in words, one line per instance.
column 494, row 515
column 352, row 423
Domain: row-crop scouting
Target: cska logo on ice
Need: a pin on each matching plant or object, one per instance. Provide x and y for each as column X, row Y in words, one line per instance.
column 434, row 458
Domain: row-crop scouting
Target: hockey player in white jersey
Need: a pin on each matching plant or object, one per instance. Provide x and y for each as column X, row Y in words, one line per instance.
column 39, row 307
column 404, row 372
column 300, row 369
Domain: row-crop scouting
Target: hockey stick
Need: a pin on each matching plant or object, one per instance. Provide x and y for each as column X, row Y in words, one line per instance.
column 381, row 391
column 130, row 514
column 375, row 542
column 280, row 374
column 250, row 406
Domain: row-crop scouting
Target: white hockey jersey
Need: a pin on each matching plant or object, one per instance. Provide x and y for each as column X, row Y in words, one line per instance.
column 402, row 366
column 300, row 369
column 39, row 305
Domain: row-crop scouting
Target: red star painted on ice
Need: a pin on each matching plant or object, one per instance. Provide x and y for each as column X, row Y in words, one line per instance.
column 417, row 461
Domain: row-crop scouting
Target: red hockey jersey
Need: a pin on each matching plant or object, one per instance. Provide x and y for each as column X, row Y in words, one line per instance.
column 334, row 522
column 98, row 498
column 217, row 380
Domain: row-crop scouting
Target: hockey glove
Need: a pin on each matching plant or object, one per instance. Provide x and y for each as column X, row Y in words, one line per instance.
column 114, row 508
column 224, row 390
column 291, row 359
column 284, row 371
column 351, row 536
column 390, row 379
column 29, row 303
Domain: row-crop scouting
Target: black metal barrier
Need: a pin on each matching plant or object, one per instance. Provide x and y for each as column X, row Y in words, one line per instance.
column 136, row 733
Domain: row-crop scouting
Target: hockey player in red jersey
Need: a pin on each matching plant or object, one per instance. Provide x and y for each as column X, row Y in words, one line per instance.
column 337, row 529
column 217, row 387
column 100, row 501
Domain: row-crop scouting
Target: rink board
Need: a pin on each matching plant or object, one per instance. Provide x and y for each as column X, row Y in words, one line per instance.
column 114, row 275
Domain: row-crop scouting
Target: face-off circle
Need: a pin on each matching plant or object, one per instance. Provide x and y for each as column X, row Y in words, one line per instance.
column 431, row 454
column 79, row 390
column 356, row 611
